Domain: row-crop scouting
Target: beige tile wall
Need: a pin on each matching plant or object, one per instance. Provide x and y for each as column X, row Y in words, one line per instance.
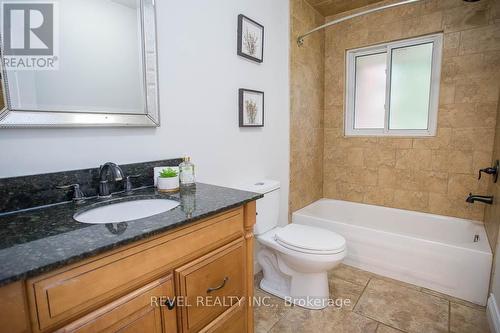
column 332, row 7
column 423, row 174
column 492, row 213
column 307, row 98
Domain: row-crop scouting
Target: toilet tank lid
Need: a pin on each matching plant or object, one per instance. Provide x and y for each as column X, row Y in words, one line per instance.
column 261, row 186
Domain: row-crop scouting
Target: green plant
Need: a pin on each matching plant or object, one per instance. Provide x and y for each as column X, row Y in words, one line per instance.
column 168, row 173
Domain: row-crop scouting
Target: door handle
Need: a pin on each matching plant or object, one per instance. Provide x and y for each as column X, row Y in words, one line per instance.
column 170, row 304
column 209, row 290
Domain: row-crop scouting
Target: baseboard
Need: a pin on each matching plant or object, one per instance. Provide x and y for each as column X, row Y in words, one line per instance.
column 493, row 314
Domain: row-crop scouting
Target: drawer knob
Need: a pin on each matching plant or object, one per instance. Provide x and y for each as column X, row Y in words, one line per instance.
column 209, row 290
column 170, row 304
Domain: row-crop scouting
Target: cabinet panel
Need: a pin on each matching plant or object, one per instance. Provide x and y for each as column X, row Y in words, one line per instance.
column 140, row 311
column 211, row 285
column 14, row 316
column 231, row 321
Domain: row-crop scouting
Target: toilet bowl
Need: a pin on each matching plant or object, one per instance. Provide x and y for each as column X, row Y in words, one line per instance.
column 298, row 274
column 295, row 258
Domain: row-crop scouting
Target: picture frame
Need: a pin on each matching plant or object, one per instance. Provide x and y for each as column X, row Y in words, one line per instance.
column 251, row 108
column 250, row 39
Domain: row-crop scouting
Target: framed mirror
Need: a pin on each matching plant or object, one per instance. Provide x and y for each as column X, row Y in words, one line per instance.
column 79, row 63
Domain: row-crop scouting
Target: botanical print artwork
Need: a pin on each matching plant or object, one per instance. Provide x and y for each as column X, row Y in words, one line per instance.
column 251, row 108
column 250, row 39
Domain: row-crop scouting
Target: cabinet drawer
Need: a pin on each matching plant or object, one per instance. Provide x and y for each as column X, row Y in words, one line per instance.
column 139, row 311
column 63, row 296
column 211, row 285
column 231, row 321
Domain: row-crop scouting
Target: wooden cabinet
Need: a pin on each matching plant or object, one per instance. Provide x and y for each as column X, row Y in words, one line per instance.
column 114, row 291
column 66, row 294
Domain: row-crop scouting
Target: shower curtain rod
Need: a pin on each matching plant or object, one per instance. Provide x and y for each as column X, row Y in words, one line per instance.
column 300, row 39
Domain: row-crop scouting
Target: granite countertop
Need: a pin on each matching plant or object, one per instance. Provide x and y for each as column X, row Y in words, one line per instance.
column 37, row 241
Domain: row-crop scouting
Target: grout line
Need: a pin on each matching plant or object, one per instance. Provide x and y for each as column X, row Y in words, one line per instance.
column 379, row 322
column 361, row 295
column 277, row 321
column 354, row 283
column 460, row 302
column 449, row 316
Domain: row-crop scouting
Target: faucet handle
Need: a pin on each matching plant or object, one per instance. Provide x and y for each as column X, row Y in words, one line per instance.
column 78, row 195
column 127, row 186
column 491, row 171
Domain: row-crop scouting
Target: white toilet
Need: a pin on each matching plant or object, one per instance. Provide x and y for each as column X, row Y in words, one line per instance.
column 295, row 258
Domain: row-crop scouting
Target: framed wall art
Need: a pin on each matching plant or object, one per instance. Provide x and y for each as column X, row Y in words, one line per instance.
column 250, row 39
column 251, row 108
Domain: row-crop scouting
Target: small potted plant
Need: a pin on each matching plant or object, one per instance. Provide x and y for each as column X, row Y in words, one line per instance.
column 168, row 181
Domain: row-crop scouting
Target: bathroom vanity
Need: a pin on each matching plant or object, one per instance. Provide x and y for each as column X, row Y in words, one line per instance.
column 179, row 271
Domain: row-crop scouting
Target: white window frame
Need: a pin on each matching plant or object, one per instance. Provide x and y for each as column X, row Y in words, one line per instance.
column 437, row 40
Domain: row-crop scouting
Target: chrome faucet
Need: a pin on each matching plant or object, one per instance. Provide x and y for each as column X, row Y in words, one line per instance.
column 117, row 174
column 487, row 199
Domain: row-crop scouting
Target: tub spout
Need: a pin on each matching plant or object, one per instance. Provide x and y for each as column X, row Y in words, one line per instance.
column 487, row 199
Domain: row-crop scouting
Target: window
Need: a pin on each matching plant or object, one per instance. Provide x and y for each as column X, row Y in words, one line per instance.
column 393, row 89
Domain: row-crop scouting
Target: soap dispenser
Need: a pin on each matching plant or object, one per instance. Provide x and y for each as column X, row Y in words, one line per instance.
column 186, row 173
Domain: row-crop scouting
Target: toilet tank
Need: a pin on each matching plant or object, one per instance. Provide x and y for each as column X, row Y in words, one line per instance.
column 268, row 206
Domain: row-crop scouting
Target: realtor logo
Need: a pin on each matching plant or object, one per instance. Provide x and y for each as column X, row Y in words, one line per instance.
column 29, row 35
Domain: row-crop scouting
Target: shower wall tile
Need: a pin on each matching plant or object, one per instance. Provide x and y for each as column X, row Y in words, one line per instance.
column 477, row 139
column 451, row 205
column 492, row 213
column 379, row 196
column 307, row 75
column 480, row 158
column 434, row 174
column 480, row 39
column 451, row 44
column 413, row 159
column 442, row 139
column 453, row 161
column 412, row 200
column 466, row 17
column 477, row 90
column 446, row 93
column 468, row 115
column 495, row 12
column 459, row 184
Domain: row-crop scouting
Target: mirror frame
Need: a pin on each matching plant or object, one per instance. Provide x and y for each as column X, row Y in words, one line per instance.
column 11, row 118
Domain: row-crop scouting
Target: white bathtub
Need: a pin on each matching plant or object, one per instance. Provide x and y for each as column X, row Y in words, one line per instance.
column 431, row 251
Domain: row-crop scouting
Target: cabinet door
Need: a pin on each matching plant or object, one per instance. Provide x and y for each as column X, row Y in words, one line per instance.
column 211, row 285
column 143, row 310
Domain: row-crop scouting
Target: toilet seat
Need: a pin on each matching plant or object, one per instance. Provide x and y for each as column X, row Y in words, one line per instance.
column 311, row 240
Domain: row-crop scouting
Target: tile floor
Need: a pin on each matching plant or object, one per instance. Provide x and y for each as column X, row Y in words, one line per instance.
column 378, row 305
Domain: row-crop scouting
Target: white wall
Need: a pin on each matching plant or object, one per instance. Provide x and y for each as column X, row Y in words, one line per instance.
column 200, row 74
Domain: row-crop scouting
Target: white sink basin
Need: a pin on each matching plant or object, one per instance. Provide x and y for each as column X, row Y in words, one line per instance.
column 125, row 211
